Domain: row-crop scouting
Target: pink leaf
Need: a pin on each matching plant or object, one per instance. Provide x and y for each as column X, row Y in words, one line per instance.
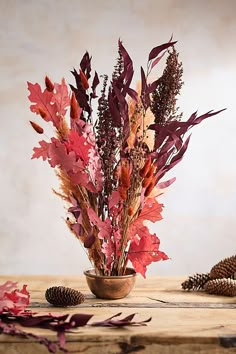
column 114, row 199
column 59, row 157
column 103, row 226
column 7, row 286
column 15, row 300
column 41, row 151
column 43, row 104
column 61, row 97
column 166, row 183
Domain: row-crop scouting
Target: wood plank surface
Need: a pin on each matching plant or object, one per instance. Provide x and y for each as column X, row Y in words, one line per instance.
column 182, row 322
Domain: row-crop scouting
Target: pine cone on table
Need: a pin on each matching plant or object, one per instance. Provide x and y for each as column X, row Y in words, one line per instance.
column 223, row 286
column 224, row 269
column 196, row 282
column 62, row 296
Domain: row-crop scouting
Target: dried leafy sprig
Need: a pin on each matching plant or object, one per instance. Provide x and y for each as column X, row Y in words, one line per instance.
column 110, row 167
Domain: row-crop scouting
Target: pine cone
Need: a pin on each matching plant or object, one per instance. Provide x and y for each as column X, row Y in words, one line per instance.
column 62, row 296
column 224, row 269
column 224, row 287
column 196, row 282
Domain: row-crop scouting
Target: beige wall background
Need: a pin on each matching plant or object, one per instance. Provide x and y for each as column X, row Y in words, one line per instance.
column 50, row 37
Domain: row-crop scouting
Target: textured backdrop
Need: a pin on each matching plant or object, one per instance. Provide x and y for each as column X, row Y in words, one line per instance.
column 50, row 37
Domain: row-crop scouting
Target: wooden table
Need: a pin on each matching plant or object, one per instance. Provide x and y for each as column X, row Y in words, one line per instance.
column 182, row 322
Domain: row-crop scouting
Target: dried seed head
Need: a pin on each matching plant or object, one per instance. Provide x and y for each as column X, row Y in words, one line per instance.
column 49, row 85
column 151, row 171
column 130, row 211
column 36, row 127
column 145, row 168
column 42, row 113
column 149, row 189
column 125, row 178
column 147, row 181
column 74, row 107
column 123, row 193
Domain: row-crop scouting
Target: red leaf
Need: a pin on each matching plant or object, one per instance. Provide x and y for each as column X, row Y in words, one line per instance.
column 151, row 211
column 144, row 249
column 79, row 145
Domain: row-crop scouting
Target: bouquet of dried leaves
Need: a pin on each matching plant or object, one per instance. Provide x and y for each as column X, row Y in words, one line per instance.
column 111, row 161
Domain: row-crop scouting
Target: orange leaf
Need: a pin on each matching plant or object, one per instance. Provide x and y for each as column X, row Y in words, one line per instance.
column 74, row 107
column 84, row 80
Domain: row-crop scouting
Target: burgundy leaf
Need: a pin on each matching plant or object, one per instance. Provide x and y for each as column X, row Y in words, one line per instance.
column 44, row 321
column 143, row 81
column 114, row 111
column 207, row 115
column 156, row 61
column 124, row 53
column 94, row 85
column 126, row 321
column 133, row 94
column 123, row 106
column 85, row 65
column 157, row 50
column 152, row 87
column 89, row 240
column 181, row 151
column 79, row 320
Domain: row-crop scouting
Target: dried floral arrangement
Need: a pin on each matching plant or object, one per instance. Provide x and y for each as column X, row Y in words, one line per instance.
column 111, row 162
column 221, row 280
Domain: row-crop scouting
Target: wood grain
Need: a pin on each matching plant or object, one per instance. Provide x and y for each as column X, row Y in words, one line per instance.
column 182, row 322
